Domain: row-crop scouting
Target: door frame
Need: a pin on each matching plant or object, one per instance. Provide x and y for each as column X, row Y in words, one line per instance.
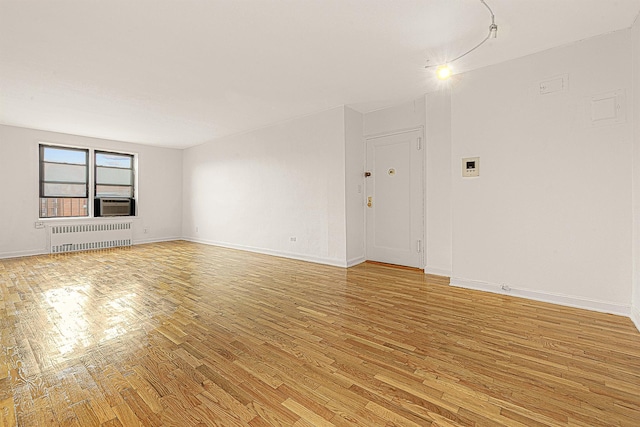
column 423, row 193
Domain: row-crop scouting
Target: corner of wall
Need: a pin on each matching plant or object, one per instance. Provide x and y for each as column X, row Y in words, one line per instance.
column 635, row 293
column 438, row 213
column 354, row 185
column 635, row 317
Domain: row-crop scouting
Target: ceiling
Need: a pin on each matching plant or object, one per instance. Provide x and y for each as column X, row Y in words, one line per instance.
column 177, row 73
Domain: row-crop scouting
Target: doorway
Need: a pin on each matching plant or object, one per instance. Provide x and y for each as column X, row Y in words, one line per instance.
column 394, row 199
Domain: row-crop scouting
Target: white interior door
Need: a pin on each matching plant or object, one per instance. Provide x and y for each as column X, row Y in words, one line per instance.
column 394, row 199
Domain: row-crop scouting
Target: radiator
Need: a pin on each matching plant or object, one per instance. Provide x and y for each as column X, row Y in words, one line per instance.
column 82, row 237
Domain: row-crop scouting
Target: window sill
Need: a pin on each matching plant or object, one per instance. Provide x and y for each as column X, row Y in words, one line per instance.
column 84, row 219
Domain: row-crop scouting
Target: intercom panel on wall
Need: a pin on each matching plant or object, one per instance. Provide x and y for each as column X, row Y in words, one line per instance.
column 470, row 167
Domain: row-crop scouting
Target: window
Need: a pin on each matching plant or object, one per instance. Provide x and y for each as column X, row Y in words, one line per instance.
column 114, row 175
column 66, row 186
column 64, row 177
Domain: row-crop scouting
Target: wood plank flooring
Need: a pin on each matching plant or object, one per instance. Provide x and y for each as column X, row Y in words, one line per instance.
column 182, row 334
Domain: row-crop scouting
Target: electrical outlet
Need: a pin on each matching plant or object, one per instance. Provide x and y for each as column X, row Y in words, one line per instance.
column 197, row 229
column 506, row 288
column 146, row 230
column 39, row 224
column 293, row 238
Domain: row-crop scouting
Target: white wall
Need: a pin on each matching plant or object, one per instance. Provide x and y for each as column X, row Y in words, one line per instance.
column 257, row 190
column 409, row 115
column 636, row 174
column 438, row 185
column 354, row 185
column 550, row 215
column 159, row 189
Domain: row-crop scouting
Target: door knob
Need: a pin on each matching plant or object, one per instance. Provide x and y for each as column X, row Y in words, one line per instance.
column 369, row 201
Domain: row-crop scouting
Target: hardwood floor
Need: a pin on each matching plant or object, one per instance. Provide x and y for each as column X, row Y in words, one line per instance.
column 181, row 334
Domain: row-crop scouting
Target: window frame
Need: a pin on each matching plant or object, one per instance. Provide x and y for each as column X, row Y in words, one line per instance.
column 132, row 169
column 41, row 179
column 90, row 184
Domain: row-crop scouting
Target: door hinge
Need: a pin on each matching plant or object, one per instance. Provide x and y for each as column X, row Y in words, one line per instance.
column 419, row 246
column 419, row 143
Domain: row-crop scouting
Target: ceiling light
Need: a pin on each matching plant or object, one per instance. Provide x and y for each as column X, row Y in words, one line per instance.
column 443, row 71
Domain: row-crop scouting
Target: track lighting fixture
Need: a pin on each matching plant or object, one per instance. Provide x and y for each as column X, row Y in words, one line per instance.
column 443, row 71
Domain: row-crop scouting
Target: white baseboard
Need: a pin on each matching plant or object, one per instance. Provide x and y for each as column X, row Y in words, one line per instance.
column 157, row 240
column 437, row 271
column 355, row 261
column 635, row 316
column 282, row 254
column 560, row 299
column 19, row 254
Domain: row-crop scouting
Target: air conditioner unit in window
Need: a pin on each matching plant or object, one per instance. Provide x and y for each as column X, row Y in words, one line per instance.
column 114, row 207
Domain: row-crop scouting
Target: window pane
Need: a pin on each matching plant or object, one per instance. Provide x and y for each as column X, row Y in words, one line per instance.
column 65, row 173
column 113, row 176
column 65, row 155
column 114, row 160
column 62, row 207
column 64, row 190
column 113, row 191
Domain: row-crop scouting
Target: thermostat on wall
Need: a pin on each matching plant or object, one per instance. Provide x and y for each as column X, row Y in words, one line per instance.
column 470, row 166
